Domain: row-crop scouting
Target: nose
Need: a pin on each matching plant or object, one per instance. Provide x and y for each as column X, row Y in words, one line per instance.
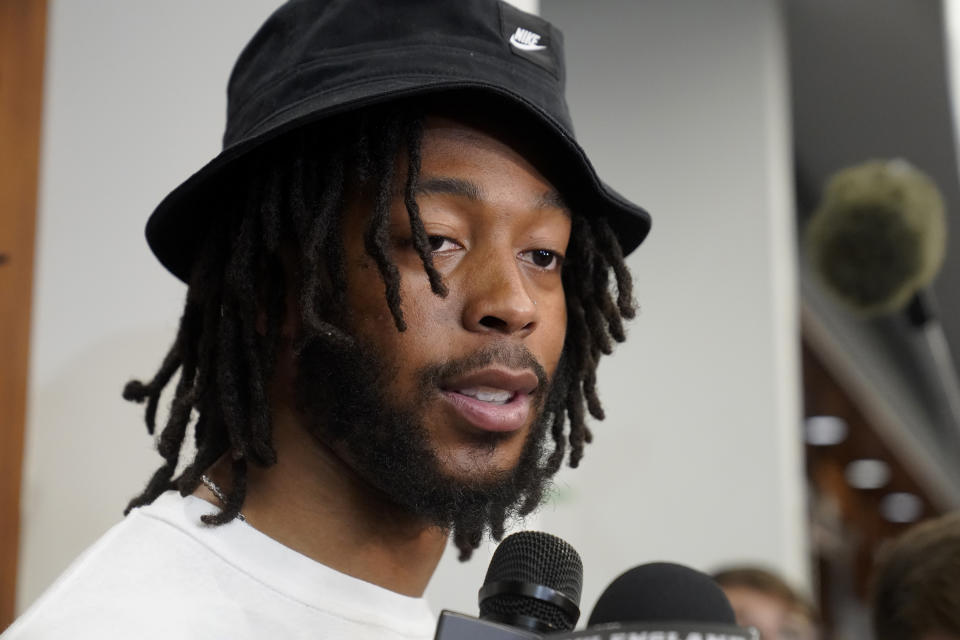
column 498, row 298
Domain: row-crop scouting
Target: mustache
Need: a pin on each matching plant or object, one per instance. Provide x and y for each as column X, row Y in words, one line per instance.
column 512, row 356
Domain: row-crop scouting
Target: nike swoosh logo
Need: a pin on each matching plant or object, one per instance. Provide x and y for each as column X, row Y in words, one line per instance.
column 524, row 46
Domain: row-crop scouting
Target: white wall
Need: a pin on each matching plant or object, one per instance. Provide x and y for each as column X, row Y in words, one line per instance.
column 698, row 462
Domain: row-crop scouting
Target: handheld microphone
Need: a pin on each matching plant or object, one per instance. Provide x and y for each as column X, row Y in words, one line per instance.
column 663, row 601
column 532, row 586
column 533, row 582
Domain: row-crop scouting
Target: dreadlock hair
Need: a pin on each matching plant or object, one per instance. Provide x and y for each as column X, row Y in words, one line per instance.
column 294, row 197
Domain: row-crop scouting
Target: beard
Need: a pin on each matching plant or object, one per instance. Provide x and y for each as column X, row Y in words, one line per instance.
column 339, row 392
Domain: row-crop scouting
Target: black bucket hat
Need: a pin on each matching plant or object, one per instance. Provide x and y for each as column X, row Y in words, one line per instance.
column 313, row 59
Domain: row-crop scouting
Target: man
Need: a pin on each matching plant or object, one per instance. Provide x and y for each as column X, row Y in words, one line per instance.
column 916, row 585
column 402, row 273
column 763, row 600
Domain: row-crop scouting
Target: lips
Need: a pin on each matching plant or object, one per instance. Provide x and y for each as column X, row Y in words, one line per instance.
column 492, row 399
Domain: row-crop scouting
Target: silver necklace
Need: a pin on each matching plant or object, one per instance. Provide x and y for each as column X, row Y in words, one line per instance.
column 210, row 484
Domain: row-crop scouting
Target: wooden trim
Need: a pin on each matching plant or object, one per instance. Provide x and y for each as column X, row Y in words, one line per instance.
column 22, row 41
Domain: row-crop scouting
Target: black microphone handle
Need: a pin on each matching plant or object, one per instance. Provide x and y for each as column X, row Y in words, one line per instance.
column 456, row 626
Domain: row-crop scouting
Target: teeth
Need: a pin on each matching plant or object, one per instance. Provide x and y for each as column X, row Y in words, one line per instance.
column 485, row 394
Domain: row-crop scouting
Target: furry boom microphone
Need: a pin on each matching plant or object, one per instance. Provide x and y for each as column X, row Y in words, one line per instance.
column 878, row 240
column 879, row 236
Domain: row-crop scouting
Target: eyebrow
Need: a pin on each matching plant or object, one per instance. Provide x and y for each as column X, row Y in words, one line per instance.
column 553, row 200
column 449, row 187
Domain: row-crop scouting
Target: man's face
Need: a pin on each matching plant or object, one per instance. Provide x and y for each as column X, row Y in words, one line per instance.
column 471, row 366
column 449, row 418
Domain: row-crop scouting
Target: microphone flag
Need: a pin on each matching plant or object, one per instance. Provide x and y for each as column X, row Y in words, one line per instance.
column 658, row 631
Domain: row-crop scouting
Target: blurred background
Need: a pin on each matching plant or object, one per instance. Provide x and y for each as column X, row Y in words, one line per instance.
column 759, row 412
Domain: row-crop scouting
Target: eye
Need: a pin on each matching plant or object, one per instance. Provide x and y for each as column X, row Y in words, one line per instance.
column 441, row 243
column 543, row 258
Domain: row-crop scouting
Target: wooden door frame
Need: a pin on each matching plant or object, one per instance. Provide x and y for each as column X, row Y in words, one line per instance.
column 23, row 25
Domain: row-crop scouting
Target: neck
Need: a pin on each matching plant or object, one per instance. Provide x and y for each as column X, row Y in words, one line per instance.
column 314, row 503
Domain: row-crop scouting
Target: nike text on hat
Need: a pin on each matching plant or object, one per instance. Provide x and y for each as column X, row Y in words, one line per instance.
column 313, row 59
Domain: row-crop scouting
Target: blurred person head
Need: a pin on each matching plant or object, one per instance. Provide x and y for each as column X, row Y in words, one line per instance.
column 762, row 599
column 916, row 585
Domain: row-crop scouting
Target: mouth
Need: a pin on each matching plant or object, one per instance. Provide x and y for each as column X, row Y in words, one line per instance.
column 492, row 399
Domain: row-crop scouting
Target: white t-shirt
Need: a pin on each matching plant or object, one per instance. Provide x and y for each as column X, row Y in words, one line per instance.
column 161, row 573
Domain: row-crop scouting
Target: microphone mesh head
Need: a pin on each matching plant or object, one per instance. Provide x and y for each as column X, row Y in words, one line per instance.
column 535, row 558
